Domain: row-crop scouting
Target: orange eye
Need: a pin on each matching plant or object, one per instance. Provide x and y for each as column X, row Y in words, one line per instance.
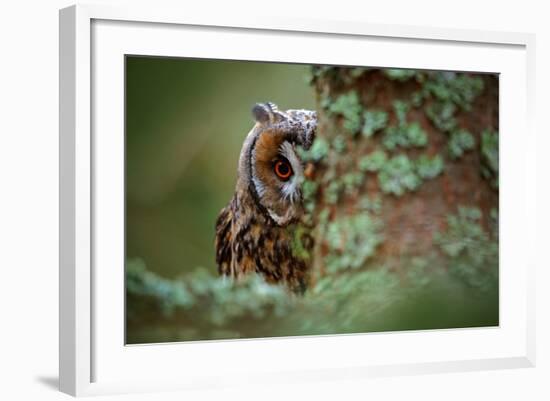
column 283, row 169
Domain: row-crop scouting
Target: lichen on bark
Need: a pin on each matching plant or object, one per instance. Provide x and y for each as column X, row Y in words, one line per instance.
column 424, row 144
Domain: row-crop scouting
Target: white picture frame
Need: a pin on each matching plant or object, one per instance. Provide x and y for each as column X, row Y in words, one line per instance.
column 93, row 357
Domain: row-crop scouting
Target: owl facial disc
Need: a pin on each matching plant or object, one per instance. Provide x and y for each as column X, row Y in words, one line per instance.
column 291, row 189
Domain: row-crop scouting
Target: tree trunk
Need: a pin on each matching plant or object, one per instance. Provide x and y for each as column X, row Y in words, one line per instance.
column 397, row 153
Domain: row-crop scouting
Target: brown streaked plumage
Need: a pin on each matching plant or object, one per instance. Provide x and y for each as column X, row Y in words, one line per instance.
column 254, row 232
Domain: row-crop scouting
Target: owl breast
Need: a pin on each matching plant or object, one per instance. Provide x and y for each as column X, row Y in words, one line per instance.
column 248, row 242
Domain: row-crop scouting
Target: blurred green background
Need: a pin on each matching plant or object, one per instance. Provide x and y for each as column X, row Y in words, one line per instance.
column 186, row 121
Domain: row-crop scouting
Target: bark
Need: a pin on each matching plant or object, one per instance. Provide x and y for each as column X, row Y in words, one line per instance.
column 410, row 220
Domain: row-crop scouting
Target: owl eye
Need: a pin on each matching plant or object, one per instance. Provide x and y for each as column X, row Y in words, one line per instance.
column 283, row 169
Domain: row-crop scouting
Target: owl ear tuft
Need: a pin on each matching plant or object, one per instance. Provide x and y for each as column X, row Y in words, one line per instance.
column 272, row 106
column 264, row 112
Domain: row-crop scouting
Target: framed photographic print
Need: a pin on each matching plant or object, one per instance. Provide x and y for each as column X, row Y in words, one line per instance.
column 290, row 199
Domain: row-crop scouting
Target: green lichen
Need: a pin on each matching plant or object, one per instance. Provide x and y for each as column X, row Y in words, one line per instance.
column 204, row 296
column 300, row 235
column 399, row 74
column 348, row 106
column 318, row 151
column 472, row 254
column 309, row 189
column 332, row 192
column 428, row 168
column 309, row 193
column 322, row 72
column 442, row 115
column 398, row 175
column 401, row 109
column 370, row 203
column 147, row 284
column 404, row 134
column 415, row 135
column 357, row 72
column 325, row 102
column 416, row 99
column 489, row 156
column 351, row 301
column 351, row 240
column 336, row 75
column 460, row 89
column 418, row 273
column 460, row 142
column 352, row 181
column 339, row 143
column 373, row 161
column 323, row 219
column 494, row 222
column 374, row 120
column 448, row 92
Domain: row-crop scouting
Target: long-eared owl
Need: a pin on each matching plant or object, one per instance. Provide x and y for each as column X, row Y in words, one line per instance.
column 254, row 232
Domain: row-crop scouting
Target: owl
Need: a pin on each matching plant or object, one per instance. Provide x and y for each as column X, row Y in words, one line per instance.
column 254, row 232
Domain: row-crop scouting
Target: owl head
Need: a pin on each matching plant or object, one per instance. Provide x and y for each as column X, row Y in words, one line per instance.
column 270, row 169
